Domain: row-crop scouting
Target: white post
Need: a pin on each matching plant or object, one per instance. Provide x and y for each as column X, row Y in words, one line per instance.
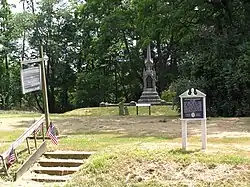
column 184, row 134
column 204, row 126
column 204, row 134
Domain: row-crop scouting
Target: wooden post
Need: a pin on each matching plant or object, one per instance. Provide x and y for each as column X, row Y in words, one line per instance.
column 45, row 94
column 15, row 155
column 149, row 110
column 35, row 139
column 5, row 166
column 137, row 110
column 28, row 145
column 43, row 132
column 184, row 134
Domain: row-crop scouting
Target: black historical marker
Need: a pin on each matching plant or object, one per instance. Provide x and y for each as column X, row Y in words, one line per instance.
column 192, row 108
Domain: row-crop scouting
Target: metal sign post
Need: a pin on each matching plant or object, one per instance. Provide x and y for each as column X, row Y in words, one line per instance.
column 45, row 93
column 33, row 78
column 193, row 107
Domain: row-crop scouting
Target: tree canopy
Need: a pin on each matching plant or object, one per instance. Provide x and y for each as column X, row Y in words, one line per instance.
column 96, row 51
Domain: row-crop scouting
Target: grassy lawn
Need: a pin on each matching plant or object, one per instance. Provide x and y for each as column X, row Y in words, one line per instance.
column 146, row 150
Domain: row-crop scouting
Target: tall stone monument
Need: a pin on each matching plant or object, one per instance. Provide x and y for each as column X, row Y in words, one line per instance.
column 149, row 94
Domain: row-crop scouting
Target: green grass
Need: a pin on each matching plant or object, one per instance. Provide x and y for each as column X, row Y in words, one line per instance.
column 96, row 142
column 9, row 136
column 216, row 140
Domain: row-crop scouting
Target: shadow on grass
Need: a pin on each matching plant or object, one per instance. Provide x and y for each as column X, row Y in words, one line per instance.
column 24, row 124
column 183, row 152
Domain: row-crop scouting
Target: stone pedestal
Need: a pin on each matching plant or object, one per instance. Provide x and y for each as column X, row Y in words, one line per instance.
column 149, row 94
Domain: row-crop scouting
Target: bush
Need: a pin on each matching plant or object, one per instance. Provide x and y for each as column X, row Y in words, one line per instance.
column 168, row 95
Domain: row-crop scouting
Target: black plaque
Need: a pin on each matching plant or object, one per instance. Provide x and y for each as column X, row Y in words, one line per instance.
column 192, row 108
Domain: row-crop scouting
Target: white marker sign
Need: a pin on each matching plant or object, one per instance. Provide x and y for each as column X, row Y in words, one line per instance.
column 193, row 107
column 31, row 77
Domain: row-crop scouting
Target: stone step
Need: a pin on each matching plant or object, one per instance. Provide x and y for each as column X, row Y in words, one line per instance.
column 48, row 178
column 68, row 154
column 51, row 162
column 56, row 170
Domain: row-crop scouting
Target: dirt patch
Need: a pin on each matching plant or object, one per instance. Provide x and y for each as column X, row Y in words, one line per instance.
column 15, row 123
column 139, row 126
column 175, row 173
column 153, row 126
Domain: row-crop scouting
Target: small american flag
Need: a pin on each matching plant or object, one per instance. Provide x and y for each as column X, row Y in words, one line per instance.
column 51, row 133
column 11, row 157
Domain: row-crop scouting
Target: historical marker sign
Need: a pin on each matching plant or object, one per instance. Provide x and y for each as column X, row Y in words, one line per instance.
column 193, row 107
column 31, row 77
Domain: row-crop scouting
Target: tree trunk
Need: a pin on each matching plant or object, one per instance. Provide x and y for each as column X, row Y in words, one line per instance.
column 161, row 65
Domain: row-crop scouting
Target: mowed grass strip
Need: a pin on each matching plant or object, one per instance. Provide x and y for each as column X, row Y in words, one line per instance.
column 99, row 141
column 7, row 138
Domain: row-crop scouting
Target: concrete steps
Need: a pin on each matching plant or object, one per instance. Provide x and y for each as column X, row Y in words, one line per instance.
column 46, row 162
column 68, row 154
column 48, row 178
column 58, row 166
column 56, row 170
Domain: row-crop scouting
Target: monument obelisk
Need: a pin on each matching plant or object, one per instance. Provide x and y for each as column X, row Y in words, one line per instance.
column 149, row 94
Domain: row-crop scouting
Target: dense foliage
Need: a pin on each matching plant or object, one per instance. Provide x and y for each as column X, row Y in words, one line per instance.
column 96, row 51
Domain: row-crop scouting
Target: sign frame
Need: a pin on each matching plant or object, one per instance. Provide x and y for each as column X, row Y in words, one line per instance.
column 27, row 63
column 192, row 94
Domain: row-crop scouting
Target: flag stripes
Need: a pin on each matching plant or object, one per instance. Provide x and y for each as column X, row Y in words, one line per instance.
column 51, row 133
column 11, row 157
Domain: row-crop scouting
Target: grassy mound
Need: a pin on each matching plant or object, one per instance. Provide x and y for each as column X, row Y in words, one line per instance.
column 137, row 166
column 114, row 111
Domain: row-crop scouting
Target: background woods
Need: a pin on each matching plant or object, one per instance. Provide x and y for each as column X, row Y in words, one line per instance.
column 96, row 51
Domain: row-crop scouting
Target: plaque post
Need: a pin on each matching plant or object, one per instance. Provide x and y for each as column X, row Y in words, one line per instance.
column 204, row 127
column 204, row 134
column 184, row 134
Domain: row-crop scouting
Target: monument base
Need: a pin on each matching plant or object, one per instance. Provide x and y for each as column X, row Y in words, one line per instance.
column 150, row 96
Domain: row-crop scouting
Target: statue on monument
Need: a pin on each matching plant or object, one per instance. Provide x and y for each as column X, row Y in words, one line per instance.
column 149, row 94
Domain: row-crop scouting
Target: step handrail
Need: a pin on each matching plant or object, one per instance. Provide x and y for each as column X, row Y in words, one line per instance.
column 20, row 140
